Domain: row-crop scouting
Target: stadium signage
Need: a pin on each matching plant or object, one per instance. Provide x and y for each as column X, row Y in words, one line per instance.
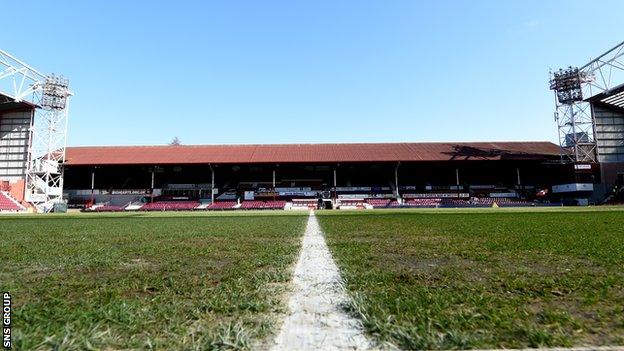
column 380, row 196
column 127, row 192
column 230, row 195
column 297, row 193
column 188, row 186
column 569, row 188
column 582, row 167
column 505, row 195
column 352, row 188
column 482, row 187
column 364, row 196
column 89, row 192
column 293, row 189
column 443, row 187
column 435, row 195
column 352, row 196
column 267, row 194
column 361, row 188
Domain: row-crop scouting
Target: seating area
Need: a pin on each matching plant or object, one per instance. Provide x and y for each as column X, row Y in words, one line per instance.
column 304, row 204
column 193, row 205
column 503, row 202
column 222, row 205
column 275, row 204
column 446, row 202
column 263, row 205
column 394, row 204
column 455, row 203
column 351, row 203
column 347, row 202
column 379, row 203
column 8, row 204
column 425, row 203
column 106, row 208
column 170, row 206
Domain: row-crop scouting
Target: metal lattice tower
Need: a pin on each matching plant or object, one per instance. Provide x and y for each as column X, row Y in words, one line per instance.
column 48, row 130
column 573, row 114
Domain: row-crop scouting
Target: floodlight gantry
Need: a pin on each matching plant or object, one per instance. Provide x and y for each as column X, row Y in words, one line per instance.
column 573, row 114
column 49, row 96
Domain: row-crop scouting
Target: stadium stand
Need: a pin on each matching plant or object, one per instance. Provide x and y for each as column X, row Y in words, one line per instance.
column 170, row 206
column 454, row 203
column 222, row 205
column 252, row 205
column 309, row 176
column 304, row 204
column 105, row 208
column 426, row 203
column 9, row 204
column 275, row 204
column 351, row 204
column 379, row 203
column 134, row 206
column 263, row 205
column 503, row 202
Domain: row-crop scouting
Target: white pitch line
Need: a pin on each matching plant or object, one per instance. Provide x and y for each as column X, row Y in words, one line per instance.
column 316, row 320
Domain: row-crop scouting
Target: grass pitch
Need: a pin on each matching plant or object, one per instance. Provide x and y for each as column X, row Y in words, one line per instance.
column 483, row 278
column 134, row 281
column 472, row 278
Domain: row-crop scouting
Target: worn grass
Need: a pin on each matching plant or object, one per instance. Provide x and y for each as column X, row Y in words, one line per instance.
column 483, row 279
column 143, row 281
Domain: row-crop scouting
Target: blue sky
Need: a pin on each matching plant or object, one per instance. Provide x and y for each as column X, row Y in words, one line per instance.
column 240, row 72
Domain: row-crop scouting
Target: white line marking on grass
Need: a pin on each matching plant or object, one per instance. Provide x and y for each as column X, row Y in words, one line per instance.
column 316, row 320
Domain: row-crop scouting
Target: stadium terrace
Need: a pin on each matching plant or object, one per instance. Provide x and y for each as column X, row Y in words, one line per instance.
column 302, row 176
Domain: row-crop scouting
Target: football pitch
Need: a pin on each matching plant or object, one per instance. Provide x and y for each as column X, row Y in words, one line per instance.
column 419, row 279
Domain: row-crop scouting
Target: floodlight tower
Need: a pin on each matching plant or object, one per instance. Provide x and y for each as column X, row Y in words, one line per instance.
column 49, row 95
column 573, row 114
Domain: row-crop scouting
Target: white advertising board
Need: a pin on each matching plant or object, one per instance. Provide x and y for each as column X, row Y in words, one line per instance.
column 573, row 187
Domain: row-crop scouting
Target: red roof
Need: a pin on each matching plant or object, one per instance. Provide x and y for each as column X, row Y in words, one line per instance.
column 307, row 153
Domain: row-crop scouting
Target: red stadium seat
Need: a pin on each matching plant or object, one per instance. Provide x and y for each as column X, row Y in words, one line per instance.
column 221, row 205
column 501, row 201
column 108, row 208
column 349, row 203
column 263, row 205
column 379, row 203
column 426, row 202
column 170, row 206
column 304, row 204
column 8, row 204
